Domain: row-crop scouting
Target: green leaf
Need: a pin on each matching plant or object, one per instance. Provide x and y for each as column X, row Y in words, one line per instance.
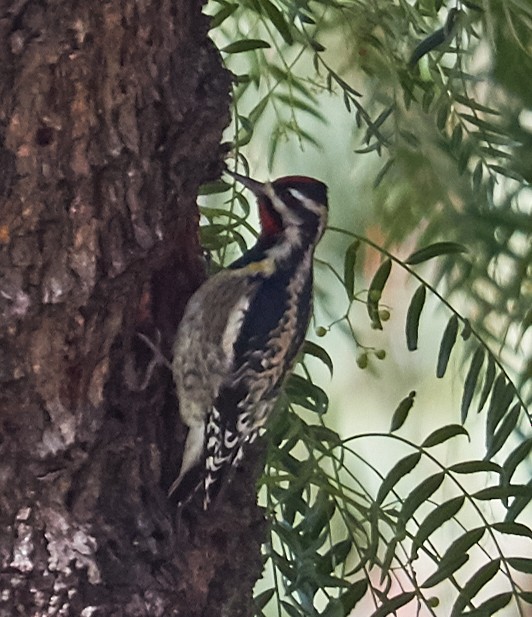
column 219, row 17
column 508, row 425
column 519, row 504
column 213, row 213
column 401, row 413
column 349, row 268
column 334, row 608
column 464, row 543
column 506, row 171
column 371, row 148
column 272, row 148
column 316, row 46
column 392, row 604
column 434, row 250
column 381, row 118
column 375, row 292
column 291, row 504
column 382, row 172
column 491, row 606
column 456, row 137
column 411, row 140
column 302, row 104
column 241, row 78
column 466, row 330
column 289, row 463
column 521, row 564
column 441, row 117
column 290, row 609
column 515, row 458
column 443, row 434
column 335, row 556
column 488, row 382
column 483, row 124
column 302, row 392
column 212, row 238
column 314, row 350
column 474, row 585
column 445, row 570
column 475, row 467
column 526, row 596
column 278, row 20
column 501, row 398
column 455, row 556
column 381, row 276
column 333, row 581
column 434, row 520
column 477, row 176
column 471, row 381
column 473, row 104
column 263, row 598
column 258, row 110
column 446, row 346
column 372, row 548
column 420, row 494
column 318, row 516
column 503, row 492
column 353, row 595
column 412, row 317
column 499, row 395
column 391, row 552
column 515, row 529
column 463, row 159
column 305, row 136
column 245, row 45
column 210, row 188
column 323, row 434
column 403, row 467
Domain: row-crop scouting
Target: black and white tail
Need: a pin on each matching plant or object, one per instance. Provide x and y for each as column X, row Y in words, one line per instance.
column 223, row 451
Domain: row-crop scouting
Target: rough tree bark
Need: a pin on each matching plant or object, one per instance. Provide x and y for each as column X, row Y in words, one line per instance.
column 111, row 116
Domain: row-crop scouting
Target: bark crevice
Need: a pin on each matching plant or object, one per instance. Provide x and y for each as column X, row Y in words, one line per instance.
column 111, row 116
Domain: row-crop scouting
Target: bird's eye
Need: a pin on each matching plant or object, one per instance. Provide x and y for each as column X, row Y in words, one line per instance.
column 286, row 194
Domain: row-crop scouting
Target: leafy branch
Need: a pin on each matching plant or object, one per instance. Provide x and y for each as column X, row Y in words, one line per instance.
column 456, row 160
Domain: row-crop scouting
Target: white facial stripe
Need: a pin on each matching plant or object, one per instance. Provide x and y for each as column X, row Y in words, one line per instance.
column 286, row 212
column 310, row 204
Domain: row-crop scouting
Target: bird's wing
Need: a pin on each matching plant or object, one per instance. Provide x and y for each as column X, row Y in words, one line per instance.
column 266, row 339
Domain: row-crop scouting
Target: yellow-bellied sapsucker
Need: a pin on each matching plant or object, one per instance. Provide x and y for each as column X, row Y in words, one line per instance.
column 243, row 328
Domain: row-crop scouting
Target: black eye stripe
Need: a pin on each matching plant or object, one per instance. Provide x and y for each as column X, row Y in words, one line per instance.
column 289, row 199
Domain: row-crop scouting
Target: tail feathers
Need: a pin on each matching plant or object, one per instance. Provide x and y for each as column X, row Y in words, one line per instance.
column 220, row 447
column 223, row 452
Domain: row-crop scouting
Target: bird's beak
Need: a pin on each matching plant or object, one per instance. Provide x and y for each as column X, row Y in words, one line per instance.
column 253, row 185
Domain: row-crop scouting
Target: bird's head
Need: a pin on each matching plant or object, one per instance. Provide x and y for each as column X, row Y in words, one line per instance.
column 295, row 204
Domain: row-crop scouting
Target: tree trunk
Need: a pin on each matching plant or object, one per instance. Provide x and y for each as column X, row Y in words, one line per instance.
column 111, row 118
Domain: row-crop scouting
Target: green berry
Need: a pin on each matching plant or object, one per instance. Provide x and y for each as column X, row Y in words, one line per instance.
column 384, row 314
column 362, row 360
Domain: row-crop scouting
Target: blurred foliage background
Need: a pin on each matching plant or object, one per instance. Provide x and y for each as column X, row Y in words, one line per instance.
column 398, row 480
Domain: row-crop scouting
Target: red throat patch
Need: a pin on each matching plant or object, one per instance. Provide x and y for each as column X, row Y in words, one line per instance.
column 269, row 223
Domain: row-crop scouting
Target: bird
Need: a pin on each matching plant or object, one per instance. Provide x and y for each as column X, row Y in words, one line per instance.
column 243, row 329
